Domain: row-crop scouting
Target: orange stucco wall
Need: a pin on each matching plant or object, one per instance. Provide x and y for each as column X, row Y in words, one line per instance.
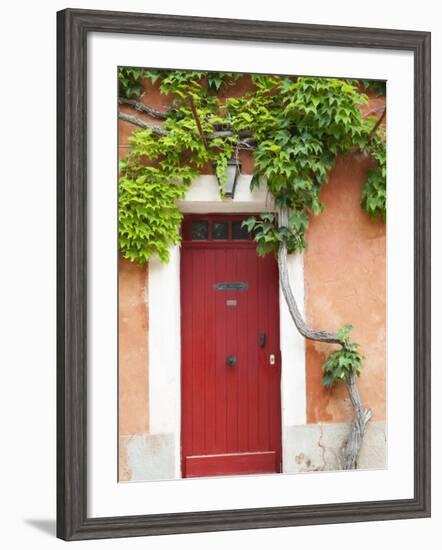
column 133, row 317
column 133, row 375
column 133, row 352
column 133, row 371
column 345, row 278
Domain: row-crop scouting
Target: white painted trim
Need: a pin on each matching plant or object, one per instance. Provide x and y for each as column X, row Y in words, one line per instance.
column 203, row 197
column 164, row 321
column 165, row 350
column 293, row 376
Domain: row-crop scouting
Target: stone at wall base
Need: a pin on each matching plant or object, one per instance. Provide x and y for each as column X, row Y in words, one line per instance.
column 307, row 448
column 318, row 447
column 148, row 457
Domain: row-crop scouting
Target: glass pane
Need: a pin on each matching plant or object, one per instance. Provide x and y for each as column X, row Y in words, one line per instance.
column 239, row 233
column 220, row 231
column 200, row 231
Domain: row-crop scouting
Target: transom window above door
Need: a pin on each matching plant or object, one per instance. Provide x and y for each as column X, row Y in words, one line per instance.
column 215, row 227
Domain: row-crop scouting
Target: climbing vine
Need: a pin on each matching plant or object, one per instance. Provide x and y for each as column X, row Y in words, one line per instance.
column 164, row 160
column 130, row 81
column 343, row 362
column 296, row 127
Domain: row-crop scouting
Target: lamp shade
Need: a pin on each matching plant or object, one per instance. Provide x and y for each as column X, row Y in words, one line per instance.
column 233, row 169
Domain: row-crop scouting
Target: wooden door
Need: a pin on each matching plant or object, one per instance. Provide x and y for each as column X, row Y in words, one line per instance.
column 231, row 406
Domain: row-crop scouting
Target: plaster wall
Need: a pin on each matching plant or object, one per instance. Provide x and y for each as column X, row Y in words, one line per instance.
column 345, row 281
column 133, row 391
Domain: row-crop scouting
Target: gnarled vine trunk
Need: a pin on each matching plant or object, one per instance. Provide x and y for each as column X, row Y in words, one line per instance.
column 362, row 415
column 358, row 426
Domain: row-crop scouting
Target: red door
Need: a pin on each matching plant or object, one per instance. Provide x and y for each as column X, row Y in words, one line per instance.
column 231, row 412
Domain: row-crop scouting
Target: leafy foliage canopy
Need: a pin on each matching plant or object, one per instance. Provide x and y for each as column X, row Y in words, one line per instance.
column 297, row 126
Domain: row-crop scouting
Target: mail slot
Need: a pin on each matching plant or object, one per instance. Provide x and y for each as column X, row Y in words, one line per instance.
column 231, row 286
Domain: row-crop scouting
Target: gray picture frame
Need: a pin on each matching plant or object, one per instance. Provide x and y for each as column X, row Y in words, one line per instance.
column 73, row 27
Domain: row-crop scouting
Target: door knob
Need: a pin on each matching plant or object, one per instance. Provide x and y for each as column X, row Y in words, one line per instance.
column 231, row 360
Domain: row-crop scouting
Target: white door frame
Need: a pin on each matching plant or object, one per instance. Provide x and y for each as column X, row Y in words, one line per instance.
column 164, row 328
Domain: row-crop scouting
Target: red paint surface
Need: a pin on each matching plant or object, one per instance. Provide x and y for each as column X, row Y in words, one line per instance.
column 223, row 464
column 231, row 419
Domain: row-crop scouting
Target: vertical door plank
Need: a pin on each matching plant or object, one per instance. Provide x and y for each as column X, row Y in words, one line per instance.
column 198, row 351
column 220, row 354
column 263, row 367
column 253, row 351
column 231, row 320
column 210, row 352
column 274, row 371
column 243, row 343
column 186, row 354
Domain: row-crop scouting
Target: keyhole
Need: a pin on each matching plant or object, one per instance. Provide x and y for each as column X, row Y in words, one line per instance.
column 231, row 360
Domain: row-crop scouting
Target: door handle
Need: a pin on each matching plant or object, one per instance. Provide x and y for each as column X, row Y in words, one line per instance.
column 262, row 339
column 231, row 360
column 272, row 359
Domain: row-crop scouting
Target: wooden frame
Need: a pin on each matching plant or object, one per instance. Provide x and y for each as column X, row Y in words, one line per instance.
column 73, row 28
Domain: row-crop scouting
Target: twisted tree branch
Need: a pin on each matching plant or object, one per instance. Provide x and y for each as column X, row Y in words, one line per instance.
column 142, row 108
column 378, row 122
column 158, row 130
column 245, row 138
column 162, row 115
column 303, row 328
column 362, row 415
column 197, row 121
